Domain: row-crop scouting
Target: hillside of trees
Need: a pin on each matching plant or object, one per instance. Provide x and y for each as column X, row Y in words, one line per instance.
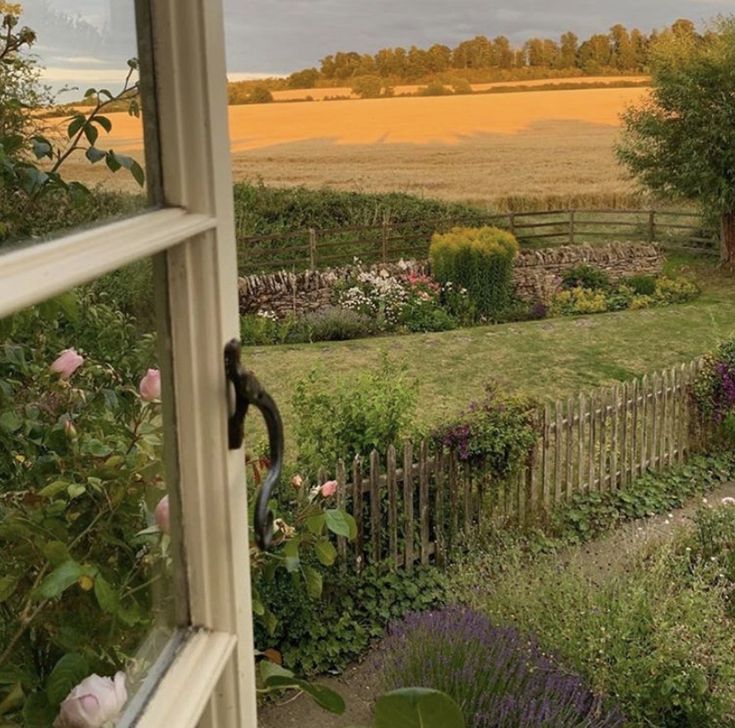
column 481, row 60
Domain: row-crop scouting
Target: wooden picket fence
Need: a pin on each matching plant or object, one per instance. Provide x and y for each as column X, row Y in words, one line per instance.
column 412, row 511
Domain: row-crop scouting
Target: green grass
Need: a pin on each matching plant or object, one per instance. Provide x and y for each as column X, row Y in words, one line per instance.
column 548, row 359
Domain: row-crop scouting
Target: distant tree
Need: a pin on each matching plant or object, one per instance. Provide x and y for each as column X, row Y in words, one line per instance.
column 260, row 95
column 569, row 49
column 435, row 88
column 623, row 52
column 681, row 143
column 640, row 49
column 439, row 58
column 368, row 87
column 535, row 53
column 595, row 54
column 304, row 79
column 460, row 86
column 503, row 52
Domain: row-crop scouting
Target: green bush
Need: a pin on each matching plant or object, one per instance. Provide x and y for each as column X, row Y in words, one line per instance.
column 642, row 285
column 480, row 260
column 315, row 636
column 585, row 276
column 341, row 418
column 421, row 315
column 331, row 323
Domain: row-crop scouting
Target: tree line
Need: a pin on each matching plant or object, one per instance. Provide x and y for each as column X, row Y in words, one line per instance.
column 487, row 59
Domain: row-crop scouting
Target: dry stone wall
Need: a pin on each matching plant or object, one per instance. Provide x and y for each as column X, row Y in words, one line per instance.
column 537, row 276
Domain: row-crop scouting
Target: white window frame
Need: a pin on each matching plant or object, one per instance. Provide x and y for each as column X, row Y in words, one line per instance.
column 207, row 678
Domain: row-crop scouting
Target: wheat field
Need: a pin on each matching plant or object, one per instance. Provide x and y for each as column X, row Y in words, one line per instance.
column 474, row 147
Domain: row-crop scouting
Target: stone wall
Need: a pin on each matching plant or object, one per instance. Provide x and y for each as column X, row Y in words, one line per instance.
column 537, row 273
column 537, row 276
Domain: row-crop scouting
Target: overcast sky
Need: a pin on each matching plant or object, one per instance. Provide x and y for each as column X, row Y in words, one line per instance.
column 279, row 36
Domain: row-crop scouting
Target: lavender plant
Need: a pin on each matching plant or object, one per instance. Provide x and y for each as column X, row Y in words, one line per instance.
column 498, row 677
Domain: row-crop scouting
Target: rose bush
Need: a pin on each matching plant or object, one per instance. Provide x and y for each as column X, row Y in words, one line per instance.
column 80, row 473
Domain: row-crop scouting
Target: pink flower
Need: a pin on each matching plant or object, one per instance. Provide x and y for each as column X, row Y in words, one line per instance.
column 150, row 386
column 161, row 514
column 67, row 363
column 329, row 488
column 93, row 703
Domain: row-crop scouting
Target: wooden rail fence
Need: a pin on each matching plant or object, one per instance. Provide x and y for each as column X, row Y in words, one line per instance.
column 388, row 242
column 410, row 508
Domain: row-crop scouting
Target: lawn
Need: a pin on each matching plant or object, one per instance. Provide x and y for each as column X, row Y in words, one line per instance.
column 548, row 358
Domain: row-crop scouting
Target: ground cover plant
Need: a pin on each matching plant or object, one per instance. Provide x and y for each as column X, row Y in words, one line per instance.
column 658, row 637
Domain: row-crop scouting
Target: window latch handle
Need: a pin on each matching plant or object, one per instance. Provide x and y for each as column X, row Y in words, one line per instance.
column 248, row 391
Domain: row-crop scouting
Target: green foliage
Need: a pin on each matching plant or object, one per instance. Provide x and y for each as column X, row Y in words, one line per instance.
column 585, row 276
column 80, row 470
column 642, row 285
column 589, row 515
column 496, row 433
column 31, row 156
column 367, row 87
column 664, row 291
column 417, row 708
column 656, row 636
column 434, row 88
column 261, row 210
column 348, row 417
column 316, row 636
column 714, row 390
column 260, row 95
column 478, row 259
column 681, row 142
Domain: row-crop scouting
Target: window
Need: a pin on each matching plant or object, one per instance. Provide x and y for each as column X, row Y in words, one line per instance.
column 204, row 676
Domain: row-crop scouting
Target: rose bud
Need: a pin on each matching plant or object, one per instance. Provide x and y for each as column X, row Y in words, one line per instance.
column 93, row 703
column 67, row 363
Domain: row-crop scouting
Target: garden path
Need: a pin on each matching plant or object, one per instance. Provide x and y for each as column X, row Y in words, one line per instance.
column 359, row 684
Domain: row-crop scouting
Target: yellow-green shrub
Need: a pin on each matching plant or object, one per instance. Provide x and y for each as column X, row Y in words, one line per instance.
column 480, row 260
column 675, row 290
column 579, row 300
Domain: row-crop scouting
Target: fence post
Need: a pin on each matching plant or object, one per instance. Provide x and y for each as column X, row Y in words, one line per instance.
column 512, row 221
column 312, row 248
column 571, row 227
column 651, row 226
column 384, row 240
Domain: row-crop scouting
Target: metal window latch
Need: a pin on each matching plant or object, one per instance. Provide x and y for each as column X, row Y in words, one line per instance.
column 248, row 391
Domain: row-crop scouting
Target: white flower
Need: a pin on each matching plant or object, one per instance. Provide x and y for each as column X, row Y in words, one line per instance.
column 728, row 501
column 93, row 703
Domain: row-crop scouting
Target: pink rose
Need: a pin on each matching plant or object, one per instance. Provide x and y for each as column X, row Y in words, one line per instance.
column 67, row 363
column 161, row 514
column 93, row 703
column 329, row 488
column 150, row 386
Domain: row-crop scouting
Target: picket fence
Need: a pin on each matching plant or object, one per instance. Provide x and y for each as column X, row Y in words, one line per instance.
column 412, row 511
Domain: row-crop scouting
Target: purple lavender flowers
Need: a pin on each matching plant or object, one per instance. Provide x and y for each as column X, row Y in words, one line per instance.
column 498, row 677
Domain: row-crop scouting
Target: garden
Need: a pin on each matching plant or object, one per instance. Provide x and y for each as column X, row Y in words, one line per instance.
column 468, row 281
column 446, row 546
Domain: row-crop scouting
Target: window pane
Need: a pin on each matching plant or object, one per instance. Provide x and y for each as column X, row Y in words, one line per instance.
column 86, row 581
column 71, row 150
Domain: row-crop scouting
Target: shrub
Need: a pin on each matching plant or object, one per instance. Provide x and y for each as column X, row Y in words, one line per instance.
column 498, row 677
column 421, row 315
column 434, row 88
column 675, row 290
column 585, row 276
column 642, row 285
column 497, row 432
column 480, row 260
column 331, row 323
column 260, row 95
column 315, row 636
column 367, row 87
column 343, row 418
column 656, row 636
column 260, row 329
column 714, row 388
column 579, row 301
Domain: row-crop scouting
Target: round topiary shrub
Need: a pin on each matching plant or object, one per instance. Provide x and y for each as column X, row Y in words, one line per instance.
column 480, row 260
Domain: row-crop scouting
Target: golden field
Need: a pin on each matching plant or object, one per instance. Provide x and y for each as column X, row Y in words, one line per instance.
column 470, row 147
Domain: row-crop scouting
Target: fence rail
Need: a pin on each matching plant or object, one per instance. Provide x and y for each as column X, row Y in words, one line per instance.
column 413, row 510
column 388, row 242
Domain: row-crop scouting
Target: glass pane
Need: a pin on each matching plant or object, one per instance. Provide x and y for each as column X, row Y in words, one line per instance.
column 86, row 581
column 71, row 150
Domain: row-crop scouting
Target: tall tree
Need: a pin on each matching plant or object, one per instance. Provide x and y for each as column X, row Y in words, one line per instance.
column 681, row 143
column 569, row 50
